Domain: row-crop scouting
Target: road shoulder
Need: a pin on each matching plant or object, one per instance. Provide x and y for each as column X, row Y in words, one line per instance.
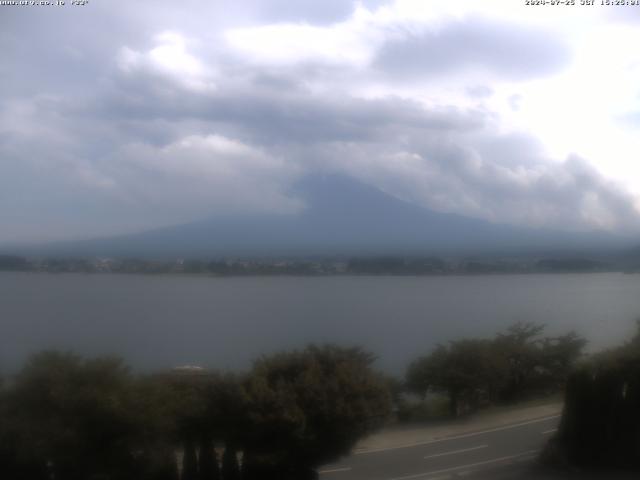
column 407, row 436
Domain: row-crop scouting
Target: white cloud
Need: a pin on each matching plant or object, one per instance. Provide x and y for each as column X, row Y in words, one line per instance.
column 200, row 175
column 352, row 42
column 209, row 113
column 170, row 58
column 458, row 176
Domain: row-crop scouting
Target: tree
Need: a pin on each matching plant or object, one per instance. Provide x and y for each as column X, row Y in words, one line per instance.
column 74, row 415
column 557, row 359
column 208, row 460
column 513, row 365
column 536, row 364
column 13, row 263
column 164, row 408
column 600, row 424
column 191, row 410
column 520, row 346
column 466, row 370
column 230, row 467
column 309, row 407
column 189, row 461
column 420, row 375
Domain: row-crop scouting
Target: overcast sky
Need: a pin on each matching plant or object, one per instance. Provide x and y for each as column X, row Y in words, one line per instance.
column 120, row 116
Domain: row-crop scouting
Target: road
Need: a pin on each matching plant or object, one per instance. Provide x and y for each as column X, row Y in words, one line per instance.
column 503, row 452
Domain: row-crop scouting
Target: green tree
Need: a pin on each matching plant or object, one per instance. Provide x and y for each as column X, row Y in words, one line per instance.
column 537, row 364
column 193, row 406
column 600, row 424
column 520, row 345
column 157, row 409
column 310, row 407
column 558, row 356
column 468, row 371
column 515, row 364
column 74, row 415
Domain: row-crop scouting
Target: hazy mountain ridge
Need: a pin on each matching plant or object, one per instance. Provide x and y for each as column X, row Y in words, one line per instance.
column 342, row 217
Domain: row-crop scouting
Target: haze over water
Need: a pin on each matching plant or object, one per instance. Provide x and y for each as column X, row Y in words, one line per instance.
column 163, row 321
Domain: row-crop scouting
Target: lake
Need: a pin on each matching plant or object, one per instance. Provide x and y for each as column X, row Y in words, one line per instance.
column 163, row 321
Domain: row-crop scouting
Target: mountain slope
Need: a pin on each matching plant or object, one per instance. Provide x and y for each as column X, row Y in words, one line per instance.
column 343, row 217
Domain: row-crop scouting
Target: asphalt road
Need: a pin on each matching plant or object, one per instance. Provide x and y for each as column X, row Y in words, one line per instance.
column 507, row 452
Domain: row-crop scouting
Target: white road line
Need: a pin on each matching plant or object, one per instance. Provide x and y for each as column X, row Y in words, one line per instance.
column 457, row 437
column 453, row 452
column 463, row 467
column 547, row 432
column 334, row 470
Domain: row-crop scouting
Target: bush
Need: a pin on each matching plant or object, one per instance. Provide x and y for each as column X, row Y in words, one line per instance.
column 309, row 407
column 72, row 418
column 515, row 365
column 600, row 425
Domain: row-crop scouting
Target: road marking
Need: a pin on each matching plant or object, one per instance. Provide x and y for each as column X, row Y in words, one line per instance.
column 335, row 470
column 547, row 432
column 457, row 437
column 456, row 451
column 463, row 467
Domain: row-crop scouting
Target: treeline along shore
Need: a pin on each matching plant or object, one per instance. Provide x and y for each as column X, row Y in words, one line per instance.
column 67, row 417
column 379, row 265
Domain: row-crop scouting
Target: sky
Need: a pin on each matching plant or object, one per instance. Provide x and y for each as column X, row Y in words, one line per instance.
column 119, row 116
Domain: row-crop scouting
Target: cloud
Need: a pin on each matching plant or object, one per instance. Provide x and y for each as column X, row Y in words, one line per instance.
column 508, row 51
column 199, row 175
column 629, row 15
column 169, row 58
column 138, row 117
column 281, row 114
column 307, row 11
column 345, row 43
column 479, row 91
column 455, row 177
column 631, row 119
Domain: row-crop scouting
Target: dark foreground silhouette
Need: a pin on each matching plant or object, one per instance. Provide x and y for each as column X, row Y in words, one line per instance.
column 68, row 418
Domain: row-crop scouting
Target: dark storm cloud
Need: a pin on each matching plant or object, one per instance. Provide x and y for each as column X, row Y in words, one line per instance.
column 507, row 50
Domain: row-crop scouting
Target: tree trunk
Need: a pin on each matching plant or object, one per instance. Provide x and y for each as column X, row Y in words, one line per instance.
column 230, row 467
column 454, row 403
column 189, row 461
column 208, row 461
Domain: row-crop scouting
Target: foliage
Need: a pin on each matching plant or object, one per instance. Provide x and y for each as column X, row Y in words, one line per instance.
column 310, row 407
column 515, row 364
column 520, row 348
column 433, row 407
column 600, row 426
column 74, row 415
column 71, row 418
column 467, row 370
column 13, row 263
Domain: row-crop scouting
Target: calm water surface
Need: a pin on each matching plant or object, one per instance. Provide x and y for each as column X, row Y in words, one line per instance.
column 162, row 321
